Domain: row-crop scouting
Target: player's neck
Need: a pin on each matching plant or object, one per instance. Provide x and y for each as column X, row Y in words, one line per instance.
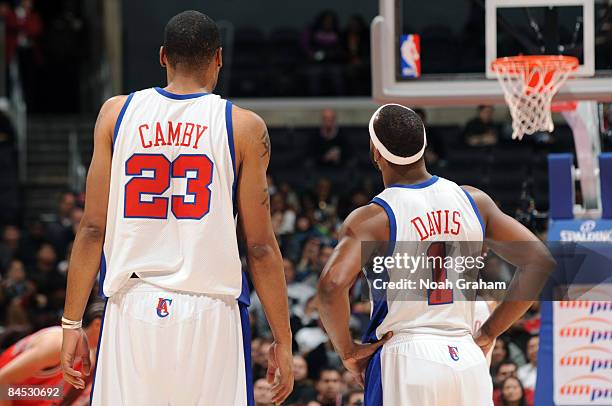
column 408, row 175
column 188, row 84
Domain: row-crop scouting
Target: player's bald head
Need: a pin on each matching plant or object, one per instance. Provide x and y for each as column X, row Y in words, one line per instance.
column 191, row 40
column 400, row 130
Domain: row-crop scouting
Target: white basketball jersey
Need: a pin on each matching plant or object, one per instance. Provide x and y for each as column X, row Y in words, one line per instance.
column 170, row 211
column 421, row 218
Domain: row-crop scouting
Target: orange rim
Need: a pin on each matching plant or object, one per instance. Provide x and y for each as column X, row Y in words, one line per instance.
column 521, row 63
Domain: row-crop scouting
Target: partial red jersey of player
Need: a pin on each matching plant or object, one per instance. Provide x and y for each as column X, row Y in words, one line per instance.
column 48, row 377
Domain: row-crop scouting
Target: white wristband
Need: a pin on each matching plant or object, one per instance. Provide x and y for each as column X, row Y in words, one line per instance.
column 71, row 324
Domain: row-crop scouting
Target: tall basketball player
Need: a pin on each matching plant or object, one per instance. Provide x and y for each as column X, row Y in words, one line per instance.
column 420, row 353
column 171, row 168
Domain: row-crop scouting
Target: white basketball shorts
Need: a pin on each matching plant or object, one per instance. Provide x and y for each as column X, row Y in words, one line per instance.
column 427, row 370
column 161, row 347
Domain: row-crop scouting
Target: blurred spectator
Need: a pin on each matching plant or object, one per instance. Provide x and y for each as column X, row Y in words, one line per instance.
column 434, row 154
column 23, row 30
column 50, row 285
column 309, row 260
column 9, row 174
column 356, row 39
column 33, row 238
column 283, row 217
column 66, row 39
column 512, row 393
column 75, row 220
column 15, row 291
column 354, row 398
column 260, row 351
column 328, row 387
column 62, row 267
column 327, row 203
column 330, row 150
column 528, row 372
column 60, row 231
column 311, row 335
column 480, row 131
column 322, row 44
column 499, row 354
column 298, row 295
column 325, row 252
column 262, row 392
column 298, row 292
column 9, row 246
column 505, row 370
column 350, row 382
column 303, row 389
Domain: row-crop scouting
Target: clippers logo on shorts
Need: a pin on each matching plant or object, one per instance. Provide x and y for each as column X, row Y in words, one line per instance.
column 454, row 354
column 162, row 307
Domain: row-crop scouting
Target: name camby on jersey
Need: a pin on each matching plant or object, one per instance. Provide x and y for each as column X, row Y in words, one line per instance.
column 426, row 215
column 174, row 134
column 171, row 216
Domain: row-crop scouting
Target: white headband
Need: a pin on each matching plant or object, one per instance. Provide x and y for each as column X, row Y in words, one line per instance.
column 388, row 155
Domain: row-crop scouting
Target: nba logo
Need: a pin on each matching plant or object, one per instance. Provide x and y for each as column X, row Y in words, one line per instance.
column 410, row 56
column 162, row 307
column 452, row 351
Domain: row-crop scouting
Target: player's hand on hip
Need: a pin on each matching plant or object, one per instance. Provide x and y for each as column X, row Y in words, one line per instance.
column 357, row 358
column 280, row 371
column 484, row 340
column 75, row 347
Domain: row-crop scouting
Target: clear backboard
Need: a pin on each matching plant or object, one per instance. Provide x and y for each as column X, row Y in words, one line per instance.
column 439, row 53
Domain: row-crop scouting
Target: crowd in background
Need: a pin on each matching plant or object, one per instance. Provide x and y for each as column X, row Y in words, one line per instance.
column 34, row 260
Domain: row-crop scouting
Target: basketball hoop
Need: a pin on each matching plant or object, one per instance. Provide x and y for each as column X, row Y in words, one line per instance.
column 529, row 84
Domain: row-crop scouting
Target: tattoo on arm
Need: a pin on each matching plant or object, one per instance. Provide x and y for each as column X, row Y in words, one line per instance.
column 265, row 141
column 266, row 199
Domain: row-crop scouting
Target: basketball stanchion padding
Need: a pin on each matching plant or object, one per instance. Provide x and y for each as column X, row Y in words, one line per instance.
column 530, row 83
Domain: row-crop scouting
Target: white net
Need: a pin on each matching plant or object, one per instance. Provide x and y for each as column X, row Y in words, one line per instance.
column 529, row 84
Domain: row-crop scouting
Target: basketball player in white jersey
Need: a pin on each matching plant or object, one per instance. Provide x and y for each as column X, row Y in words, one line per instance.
column 419, row 353
column 171, row 169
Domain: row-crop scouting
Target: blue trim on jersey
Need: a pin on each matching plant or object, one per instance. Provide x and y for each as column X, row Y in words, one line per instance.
column 93, row 382
column 102, row 275
column 392, row 223
column 246, row 345
column 373, row 391
column 245, row 294
column 380, row 307
column 421, row 185
column 175, row 96
column 120, row 117
column 473, row 203
column 230, row 141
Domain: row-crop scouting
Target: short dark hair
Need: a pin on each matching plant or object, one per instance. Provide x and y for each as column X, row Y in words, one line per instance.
column 94, row 311
column 327, row 369
column 400, row 130
column 505, row 362
column 191, row 39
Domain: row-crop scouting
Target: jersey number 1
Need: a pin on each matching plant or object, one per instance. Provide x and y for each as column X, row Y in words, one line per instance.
column 163, row 172
column 439, row 296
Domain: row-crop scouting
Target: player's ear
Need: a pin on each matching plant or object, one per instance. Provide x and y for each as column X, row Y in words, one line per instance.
column 163, row 59
column 219, row 57
column 375, row 156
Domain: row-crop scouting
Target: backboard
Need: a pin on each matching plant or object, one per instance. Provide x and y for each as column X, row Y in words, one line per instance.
column 439, row 53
